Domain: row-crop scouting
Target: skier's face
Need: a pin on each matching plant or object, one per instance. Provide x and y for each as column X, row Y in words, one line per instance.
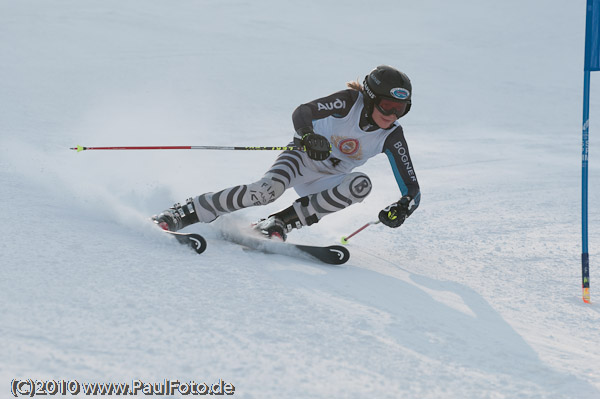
column 383, row 121
column 387, row 107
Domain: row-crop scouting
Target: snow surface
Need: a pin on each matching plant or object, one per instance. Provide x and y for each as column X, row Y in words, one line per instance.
column 477, row 295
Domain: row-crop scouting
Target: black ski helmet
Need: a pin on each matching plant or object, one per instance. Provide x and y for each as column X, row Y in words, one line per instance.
column 386, row 82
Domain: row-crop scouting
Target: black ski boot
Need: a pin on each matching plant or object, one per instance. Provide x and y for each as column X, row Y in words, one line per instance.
column 272, row 227
column 279, row 224
column 177, row 217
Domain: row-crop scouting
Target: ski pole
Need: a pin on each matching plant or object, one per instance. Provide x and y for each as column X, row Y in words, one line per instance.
column 188, row 147
column 346, row 238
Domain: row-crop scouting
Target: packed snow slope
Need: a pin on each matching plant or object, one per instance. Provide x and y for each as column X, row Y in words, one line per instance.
column 477, row 295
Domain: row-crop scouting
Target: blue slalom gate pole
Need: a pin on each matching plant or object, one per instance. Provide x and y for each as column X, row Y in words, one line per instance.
column 585, row 257
column 591, row 63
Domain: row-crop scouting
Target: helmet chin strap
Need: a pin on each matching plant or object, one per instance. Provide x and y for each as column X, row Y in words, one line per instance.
column 367, row 117
column 368, row 103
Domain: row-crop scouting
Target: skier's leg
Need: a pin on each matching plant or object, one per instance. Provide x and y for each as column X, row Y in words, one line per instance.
column 343, row 191
column 210, row 206
column 353, row 189
column 205, row 208
column 288, row 170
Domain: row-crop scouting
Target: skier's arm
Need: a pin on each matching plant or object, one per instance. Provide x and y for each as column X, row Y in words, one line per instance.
column 396, row 149
column 337, row 105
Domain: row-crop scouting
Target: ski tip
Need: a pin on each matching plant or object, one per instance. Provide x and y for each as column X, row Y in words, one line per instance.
column 341, row 255
column 193, row 240
column 197, row 242
column 78, row 148
column 344, row 240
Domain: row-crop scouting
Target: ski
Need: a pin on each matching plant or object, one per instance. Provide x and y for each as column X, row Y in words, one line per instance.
column 333, row 254
column 193, row 240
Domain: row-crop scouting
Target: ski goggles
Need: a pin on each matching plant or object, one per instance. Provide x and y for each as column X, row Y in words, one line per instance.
column 389, row 107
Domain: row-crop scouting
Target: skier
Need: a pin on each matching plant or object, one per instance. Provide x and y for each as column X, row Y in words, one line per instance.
column 335, row 134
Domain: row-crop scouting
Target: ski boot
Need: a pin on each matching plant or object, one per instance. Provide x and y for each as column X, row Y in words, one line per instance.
column 177, row 217
column 279, row 224
column 272, row 227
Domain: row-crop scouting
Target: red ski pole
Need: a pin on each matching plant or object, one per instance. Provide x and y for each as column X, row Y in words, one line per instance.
column 188, row 147
column 346, row 238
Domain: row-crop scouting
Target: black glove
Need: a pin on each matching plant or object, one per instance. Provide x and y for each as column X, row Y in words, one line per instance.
column 395, row 214
column 317, row 147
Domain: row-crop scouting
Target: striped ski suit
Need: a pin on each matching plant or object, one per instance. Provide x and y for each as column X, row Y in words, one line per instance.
column 324, row 186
